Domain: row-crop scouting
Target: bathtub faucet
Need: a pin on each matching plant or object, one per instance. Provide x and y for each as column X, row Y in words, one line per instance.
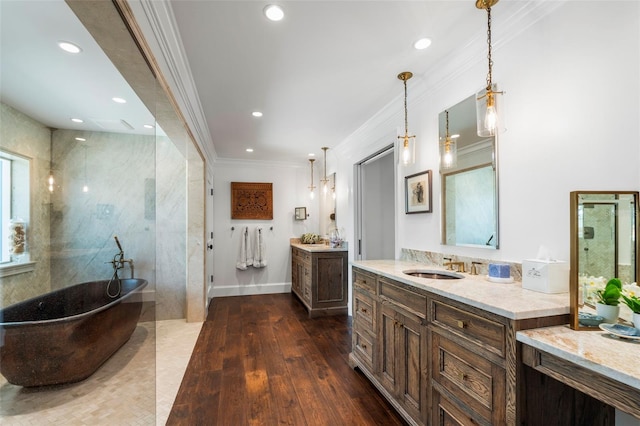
column 119, row 260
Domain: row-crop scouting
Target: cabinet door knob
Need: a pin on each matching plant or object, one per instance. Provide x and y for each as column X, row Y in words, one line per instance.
column 461, row 324
column 363, row 310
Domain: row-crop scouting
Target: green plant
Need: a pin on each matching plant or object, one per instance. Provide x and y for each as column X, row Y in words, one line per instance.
column 632, row 302
column 611, row 293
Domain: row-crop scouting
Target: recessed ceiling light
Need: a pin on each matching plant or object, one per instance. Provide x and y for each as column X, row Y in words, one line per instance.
column 69, row 47
column 148, row 126
column 249, row 149
column 456, row 136
column 77, row 120
column 311, row 154
column 119, row 100
column 423, row 43
column 256, row 114
column 273, row 12
column 81, row 139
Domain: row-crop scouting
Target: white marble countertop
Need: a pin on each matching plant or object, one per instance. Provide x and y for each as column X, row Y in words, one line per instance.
column 508, row 300
column 317, row 247
column 596, row 351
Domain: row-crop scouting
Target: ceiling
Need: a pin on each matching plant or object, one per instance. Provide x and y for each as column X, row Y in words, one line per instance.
column 317, row 75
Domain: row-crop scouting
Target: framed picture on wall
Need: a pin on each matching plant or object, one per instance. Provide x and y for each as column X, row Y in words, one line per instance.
column 251, row 200
column 417, row 193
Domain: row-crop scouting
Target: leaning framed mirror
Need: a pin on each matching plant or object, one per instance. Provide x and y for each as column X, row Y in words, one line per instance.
column 604, row 245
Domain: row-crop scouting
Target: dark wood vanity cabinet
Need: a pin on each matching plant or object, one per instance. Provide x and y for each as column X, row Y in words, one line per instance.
column 436, row 360
column 319, row 279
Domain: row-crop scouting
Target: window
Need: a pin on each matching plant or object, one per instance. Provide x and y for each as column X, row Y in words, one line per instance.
column 5, row 206
column 14, row 200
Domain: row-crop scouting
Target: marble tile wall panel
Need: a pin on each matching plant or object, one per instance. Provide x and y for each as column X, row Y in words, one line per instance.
column 83, row 225
column 171, row 211
column 22, row 135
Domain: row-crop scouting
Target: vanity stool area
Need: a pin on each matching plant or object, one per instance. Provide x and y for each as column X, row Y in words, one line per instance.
column 446, row 352
column 319, row 278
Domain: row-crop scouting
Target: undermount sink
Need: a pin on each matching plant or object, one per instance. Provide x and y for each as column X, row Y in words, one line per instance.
column 433, row 274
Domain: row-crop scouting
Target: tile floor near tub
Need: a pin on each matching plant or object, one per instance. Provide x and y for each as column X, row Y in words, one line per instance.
column 136, row 386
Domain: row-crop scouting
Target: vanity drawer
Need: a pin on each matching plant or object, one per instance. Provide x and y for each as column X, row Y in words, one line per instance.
column 413, row 302
column 486, row 332
column 363, row 347
column 365, row 281
column 364, row 315
column 468, row 377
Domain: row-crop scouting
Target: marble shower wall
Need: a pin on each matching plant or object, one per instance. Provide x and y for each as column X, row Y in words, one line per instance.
column 171, row 210
column 22, row 135
column 119, row 170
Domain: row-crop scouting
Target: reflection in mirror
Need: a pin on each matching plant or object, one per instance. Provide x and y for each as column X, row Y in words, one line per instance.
column 328, row 207
column 469, row 188
column 604, row 245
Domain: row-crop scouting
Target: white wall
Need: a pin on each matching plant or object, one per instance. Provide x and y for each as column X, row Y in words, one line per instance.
column 572, row 103
column 290, row 190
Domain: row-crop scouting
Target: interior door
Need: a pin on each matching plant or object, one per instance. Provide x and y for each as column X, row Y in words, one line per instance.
column 375, row 207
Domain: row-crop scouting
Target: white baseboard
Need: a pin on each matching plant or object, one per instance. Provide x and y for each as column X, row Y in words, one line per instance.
column 250, row 290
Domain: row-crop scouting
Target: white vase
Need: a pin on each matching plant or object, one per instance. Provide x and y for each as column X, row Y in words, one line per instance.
column 636, row 320
column 608, row 312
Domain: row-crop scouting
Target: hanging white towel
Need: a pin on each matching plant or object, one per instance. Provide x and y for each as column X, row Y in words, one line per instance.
column 244, row 257
column 260, row 249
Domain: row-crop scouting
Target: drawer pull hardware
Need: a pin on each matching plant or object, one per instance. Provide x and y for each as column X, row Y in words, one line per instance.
column 461, row 324
column 364, row 346
column 463, row 376
column 363, row 310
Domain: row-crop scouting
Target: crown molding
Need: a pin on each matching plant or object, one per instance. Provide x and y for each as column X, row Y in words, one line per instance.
column 158, row 24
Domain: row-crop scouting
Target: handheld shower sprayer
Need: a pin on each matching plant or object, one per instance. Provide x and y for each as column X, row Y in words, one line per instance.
column 118, row 243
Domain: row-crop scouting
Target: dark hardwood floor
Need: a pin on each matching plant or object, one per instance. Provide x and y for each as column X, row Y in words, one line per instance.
column 259, row 360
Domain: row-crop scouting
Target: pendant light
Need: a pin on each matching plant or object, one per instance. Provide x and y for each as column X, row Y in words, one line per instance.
column 312, row 187
column 325, row 180
column 488, row 100
column 408, row 148
column 448, row 148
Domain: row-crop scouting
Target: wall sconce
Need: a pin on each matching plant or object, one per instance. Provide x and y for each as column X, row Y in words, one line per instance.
column 488, row 100
column 312, row 187
column 85, row 187
column 325, row 180
column 51, row 181
column 448, row 148
column 408, row 149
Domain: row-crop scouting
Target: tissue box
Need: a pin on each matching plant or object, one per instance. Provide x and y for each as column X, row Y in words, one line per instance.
column 545, row 276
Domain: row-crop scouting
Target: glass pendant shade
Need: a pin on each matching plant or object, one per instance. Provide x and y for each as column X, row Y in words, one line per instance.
column 407, row 149
column 448, row 153
column 489, row 111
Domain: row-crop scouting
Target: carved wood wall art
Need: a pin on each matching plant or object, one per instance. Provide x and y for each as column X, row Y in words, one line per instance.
column 251, row 200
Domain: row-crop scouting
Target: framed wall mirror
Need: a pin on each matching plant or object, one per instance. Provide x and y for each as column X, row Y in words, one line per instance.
column 604, row 245
column 469, row 180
